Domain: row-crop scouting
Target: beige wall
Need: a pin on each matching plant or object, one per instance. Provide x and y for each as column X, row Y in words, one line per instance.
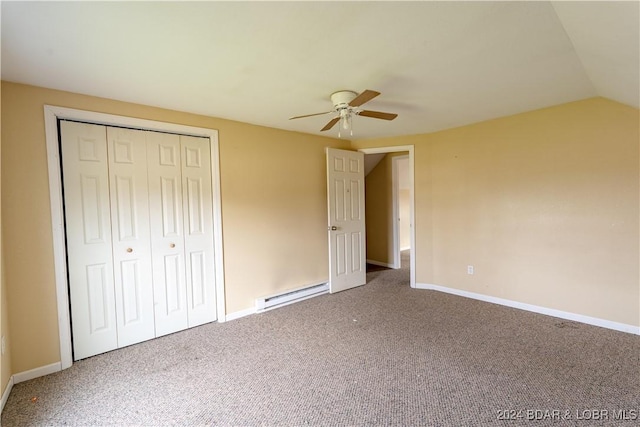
column 379, row 210
column 543, row 204
column 273, row 186
column 5, row 359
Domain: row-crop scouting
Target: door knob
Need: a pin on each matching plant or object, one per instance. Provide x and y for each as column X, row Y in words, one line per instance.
column 172, row 245
column 129, row 250
column 333, row 228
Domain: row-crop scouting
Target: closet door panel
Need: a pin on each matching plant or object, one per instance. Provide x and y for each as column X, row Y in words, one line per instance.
column 131, row 235
column 167, row 232
column 88, row 233
column 198, row 229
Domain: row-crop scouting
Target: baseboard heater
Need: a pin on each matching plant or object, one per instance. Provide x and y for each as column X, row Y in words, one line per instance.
column 279, row 300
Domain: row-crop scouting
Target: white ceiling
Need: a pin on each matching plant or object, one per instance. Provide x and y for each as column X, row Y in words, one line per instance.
column 437, row 64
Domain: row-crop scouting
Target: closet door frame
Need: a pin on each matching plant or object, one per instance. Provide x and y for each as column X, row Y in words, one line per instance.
column 51, row 116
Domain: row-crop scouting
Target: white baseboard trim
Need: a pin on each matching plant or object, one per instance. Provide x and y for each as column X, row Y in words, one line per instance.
column 241, row 313
column 603, row 323
column 405, row 248
column 381, row 264
column 5, row 395
column 37, row 372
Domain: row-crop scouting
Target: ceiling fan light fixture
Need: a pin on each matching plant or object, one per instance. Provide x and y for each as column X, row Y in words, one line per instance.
column 345, row 117
column 345, row 122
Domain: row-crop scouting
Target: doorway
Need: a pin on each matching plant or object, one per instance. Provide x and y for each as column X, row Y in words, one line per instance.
column 390, row 211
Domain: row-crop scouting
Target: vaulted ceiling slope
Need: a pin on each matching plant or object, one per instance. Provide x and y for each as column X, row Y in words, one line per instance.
column 438, row 64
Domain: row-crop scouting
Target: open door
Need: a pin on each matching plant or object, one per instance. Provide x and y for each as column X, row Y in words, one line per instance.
column 345, row 192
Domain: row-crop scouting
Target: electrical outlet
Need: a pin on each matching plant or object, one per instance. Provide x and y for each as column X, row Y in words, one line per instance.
column 3, row 345
column 469, row 269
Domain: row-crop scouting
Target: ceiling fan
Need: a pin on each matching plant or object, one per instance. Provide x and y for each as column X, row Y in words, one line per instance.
column 346, row 103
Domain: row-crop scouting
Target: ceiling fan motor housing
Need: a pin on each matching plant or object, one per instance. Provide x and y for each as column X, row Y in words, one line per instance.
column 342, row 98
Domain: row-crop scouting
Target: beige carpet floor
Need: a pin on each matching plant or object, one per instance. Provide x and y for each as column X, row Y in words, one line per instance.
column 381, row 354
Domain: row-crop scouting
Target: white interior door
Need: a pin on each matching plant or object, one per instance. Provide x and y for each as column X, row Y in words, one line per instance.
column 197, row 199
column 88, row 228
column 167, row 232
column 345, row 191
column 131, row 235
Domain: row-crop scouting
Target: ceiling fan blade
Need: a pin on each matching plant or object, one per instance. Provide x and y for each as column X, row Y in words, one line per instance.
column 365, row 96
column 310, row 115
column 330, row 124
column 378, row 114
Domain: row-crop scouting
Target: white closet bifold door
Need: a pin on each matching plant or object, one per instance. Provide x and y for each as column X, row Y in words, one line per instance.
column 89, row 248
column 167, row 232
column 198, row 229
column 131, row 235
column 139, row 225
